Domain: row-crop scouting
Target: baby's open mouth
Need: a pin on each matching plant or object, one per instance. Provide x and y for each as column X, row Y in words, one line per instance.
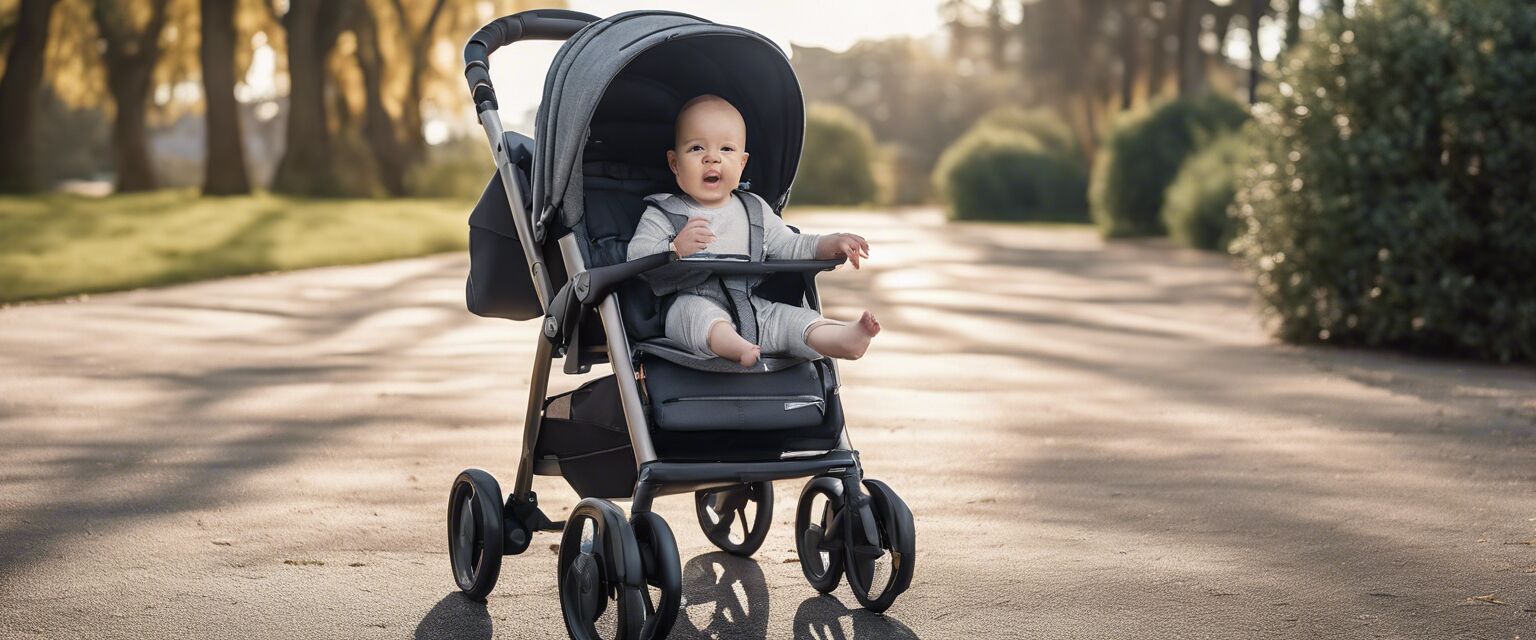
column 711, row 179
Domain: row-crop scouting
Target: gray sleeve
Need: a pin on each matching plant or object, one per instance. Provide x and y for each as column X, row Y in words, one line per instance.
column 652, row 236
column 780, row 243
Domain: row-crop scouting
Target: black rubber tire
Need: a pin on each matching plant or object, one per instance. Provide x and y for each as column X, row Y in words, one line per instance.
column 475, row 533
column 663, row 570
column 898, row 541
column 717, row 526
column 823, row 575
column 607, row 572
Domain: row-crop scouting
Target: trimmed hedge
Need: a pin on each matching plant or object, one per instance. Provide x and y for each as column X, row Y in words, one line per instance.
column 995, row 173
column 1395, row 202
column 836, row 166
column 1144, row 153
column 1195, row 207
column 1053, row 135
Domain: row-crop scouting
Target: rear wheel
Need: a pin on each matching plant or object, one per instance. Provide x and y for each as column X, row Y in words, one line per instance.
column 816, row 540
column 736, row 518
column 475, row 532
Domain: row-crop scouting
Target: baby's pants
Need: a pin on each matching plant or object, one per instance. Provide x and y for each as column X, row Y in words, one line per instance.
column 782, row 329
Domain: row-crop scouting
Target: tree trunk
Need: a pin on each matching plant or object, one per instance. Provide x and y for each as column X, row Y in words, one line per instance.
column 308, row 165
column 378, row 127
column 996, row 35
column 129, row 85
column 1255, row 56
column 130, row 56
column 1292, row 23
column 1191, row 67
column 1157, row 71
column 224, row 169
column 1130, row 53
column 18, row 96
column 414, row 140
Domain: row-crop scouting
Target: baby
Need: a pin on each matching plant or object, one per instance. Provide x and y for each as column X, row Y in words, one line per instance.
column 708, row 157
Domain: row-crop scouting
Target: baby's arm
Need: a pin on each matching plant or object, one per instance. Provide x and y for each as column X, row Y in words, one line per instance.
column 651, row 236
column 838, row 245
column 780, row 243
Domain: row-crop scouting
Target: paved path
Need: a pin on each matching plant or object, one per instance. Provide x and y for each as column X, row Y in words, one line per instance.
column 1097, row 442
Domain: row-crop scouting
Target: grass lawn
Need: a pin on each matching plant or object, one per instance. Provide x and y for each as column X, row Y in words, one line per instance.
column 60, row 245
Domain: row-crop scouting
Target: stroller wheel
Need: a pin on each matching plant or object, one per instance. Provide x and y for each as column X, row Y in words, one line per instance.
column 877, row 574
column 816, row 539
column 601, row 572
column 736, row 518
column 663, row 573
column 475, row 532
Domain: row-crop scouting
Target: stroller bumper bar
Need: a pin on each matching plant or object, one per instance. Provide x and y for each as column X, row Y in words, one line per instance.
column 588, row 288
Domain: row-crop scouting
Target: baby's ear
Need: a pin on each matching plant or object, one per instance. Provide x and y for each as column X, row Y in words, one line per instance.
column 744, row 157
column 672, row 161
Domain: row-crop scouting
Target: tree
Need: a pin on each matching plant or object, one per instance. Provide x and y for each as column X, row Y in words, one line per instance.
column 130, row 55
column 18, row 95
column 378, row 127
column 307, row 167
column 224, row 170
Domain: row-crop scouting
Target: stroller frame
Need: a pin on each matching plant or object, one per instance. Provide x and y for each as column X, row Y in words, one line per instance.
column 482, row 527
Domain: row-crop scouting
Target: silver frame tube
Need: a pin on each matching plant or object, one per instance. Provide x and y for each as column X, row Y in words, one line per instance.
column 490, row 120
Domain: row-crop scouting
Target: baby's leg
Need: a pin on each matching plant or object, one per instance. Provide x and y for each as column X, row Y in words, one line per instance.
column 726, row 343
column 843, row 340
column 705, row 328
column 802, row 332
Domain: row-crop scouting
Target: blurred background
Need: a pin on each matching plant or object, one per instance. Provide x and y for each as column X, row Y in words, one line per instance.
column 1370, row 162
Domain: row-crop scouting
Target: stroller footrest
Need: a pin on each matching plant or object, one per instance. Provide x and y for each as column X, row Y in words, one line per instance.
column 746, row 413
column 683, row 399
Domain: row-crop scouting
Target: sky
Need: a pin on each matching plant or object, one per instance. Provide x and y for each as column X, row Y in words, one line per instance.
column 518, row 70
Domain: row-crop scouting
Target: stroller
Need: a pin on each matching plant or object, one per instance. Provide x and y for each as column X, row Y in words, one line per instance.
column 665, row 421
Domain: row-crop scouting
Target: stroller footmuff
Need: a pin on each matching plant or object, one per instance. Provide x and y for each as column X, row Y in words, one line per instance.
column 548, row 242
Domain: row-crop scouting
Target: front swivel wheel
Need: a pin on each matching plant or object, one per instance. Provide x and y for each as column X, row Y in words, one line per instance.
column 607, row 566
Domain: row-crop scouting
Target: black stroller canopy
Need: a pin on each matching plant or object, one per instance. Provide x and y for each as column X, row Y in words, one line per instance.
column 614, row 90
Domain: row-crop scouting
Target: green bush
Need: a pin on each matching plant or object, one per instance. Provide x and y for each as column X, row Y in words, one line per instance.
column 1003, row 174
column 1053, row 135
column 1144, row 153
column 1195, row 205
column 1394, row 203
column 836, row 166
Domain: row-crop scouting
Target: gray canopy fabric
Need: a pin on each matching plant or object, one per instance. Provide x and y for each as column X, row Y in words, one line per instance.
column 630, row 73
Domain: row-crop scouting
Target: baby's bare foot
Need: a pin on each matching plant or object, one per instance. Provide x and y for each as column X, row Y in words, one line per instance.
column 726, row 343
column 869, row 325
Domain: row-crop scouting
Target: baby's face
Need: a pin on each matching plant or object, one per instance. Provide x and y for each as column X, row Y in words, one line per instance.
column 708, row 156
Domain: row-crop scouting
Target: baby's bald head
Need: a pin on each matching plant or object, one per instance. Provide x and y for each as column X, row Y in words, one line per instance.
column 708, row 114
column 709, row 149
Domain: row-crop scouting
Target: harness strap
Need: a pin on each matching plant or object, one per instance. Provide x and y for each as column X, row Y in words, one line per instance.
column 737, row 289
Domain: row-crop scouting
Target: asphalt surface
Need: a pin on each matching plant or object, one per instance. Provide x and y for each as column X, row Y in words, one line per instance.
column 1097, row 441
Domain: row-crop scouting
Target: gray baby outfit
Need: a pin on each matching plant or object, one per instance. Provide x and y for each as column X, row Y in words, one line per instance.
column 781, row 328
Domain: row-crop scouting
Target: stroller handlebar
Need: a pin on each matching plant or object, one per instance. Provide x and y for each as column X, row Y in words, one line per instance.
column 538, row 24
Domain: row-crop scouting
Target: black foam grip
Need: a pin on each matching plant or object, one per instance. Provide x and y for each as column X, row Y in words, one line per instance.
column 538, row 24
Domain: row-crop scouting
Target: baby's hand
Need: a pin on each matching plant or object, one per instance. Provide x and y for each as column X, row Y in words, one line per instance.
column 850, row 246
column 694, row 237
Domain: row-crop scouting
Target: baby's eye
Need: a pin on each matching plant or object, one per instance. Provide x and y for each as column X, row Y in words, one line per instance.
column 727, row 148
column 696, row 148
